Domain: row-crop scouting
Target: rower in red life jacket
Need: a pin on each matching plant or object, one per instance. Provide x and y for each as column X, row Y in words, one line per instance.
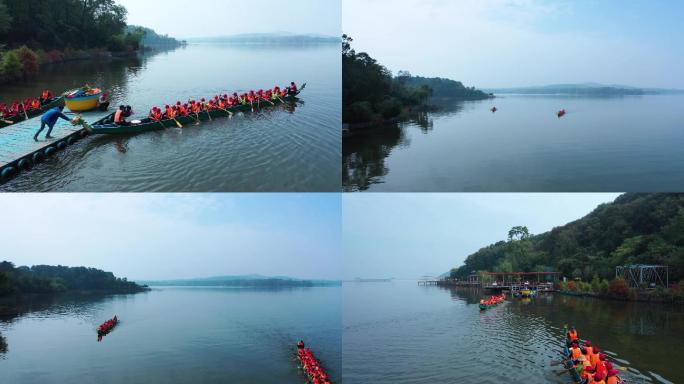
column 168, row 113
column 300, row 345
column 155, row 114
column 293, row 88
column 46, row 96
column 236, row 98
column 35, row 104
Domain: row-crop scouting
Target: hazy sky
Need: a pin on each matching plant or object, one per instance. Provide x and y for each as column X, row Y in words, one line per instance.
column 158, row 236
column 205, row 18
column 410, row 235
column 501, row 43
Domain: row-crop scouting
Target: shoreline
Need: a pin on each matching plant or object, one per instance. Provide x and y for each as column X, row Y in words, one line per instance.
column 373, row 126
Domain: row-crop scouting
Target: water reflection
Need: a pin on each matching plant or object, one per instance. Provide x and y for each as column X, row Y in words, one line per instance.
column 364, row 154
column 3, row 346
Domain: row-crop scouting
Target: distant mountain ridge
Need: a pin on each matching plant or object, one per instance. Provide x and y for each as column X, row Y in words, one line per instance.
column 583, row 89
column 268, row 38
column 251, row 280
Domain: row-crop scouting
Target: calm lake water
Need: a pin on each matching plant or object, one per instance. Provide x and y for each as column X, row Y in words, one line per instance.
column 401, row 333
column 172, row 335
column 602, row 144
column 275, row 149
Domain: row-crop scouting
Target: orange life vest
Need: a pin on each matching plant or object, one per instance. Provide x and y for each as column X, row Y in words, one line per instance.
column 612, row 380
column 576, row 353
column 46, row 95
column 572, row 335
column 594, row 358
column 118, row 116
column 589, row 350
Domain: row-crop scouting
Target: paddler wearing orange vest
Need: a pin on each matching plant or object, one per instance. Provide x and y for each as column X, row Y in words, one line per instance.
column 120, row 116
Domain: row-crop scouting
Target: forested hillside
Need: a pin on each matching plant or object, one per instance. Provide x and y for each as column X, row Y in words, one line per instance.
column 52, row 279
column 634, row 229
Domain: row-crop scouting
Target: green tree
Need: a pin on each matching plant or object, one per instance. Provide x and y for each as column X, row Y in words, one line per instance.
column 518, row 233
column 10, row 67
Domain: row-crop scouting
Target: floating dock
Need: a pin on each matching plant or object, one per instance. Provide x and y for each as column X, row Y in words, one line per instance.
column 20, row 153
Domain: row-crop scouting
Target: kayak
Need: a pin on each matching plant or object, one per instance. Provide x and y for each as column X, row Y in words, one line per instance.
column 54, row 102
column 311, row 366
column 107, row 126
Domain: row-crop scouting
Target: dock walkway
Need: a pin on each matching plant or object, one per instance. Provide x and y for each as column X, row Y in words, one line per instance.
column 19, row 152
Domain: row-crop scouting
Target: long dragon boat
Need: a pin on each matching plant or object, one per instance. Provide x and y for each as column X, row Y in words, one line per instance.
column 107, row 126
column 492, row 302
column 311, row 366
column 106, row 327
column 31, row 113
column 568, row 363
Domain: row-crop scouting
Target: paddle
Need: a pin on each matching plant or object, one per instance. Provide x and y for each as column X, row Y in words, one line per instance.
column 177, row 123
column 8, row 122
column 197, row 119
column 230, row 114
column 24, row 108
column 206, row 108
column 251, row 103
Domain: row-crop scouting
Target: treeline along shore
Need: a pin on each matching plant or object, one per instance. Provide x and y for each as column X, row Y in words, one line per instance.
column 35, row 33
column 636, row 230
column 372, row 95
column 46, row 279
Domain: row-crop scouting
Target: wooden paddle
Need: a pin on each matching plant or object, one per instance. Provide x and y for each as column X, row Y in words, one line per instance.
column 8, row 122
column 230, row 114
column 269, row 101
column 177, row 123
column 206, row 107
column 24, row 108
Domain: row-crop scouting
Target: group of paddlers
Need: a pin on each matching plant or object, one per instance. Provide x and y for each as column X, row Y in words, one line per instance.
column 219, row 102
column 589, row 361
column 310, row 365
column 493, row 300
column 107, row 325
column 18, row 108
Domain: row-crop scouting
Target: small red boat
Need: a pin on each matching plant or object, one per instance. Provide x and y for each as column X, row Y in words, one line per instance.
column 311, row 366
column 106, row 327
column 561, row 113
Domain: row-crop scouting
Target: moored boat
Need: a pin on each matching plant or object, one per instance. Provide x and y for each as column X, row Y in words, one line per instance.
column 82, row 99
column 31, row 113
column 107, row 126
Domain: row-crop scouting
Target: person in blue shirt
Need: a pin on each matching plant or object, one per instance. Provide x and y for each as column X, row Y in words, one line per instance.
column 50, row 119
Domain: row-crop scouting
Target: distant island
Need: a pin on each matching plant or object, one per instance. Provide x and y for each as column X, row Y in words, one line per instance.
column 585, row 89
column 56, row 279
column 268, row 39
column 372, row 95
column 151, row 39
column 242, row 281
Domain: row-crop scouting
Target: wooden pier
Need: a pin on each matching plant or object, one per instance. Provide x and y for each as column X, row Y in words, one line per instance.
column 20, row 153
